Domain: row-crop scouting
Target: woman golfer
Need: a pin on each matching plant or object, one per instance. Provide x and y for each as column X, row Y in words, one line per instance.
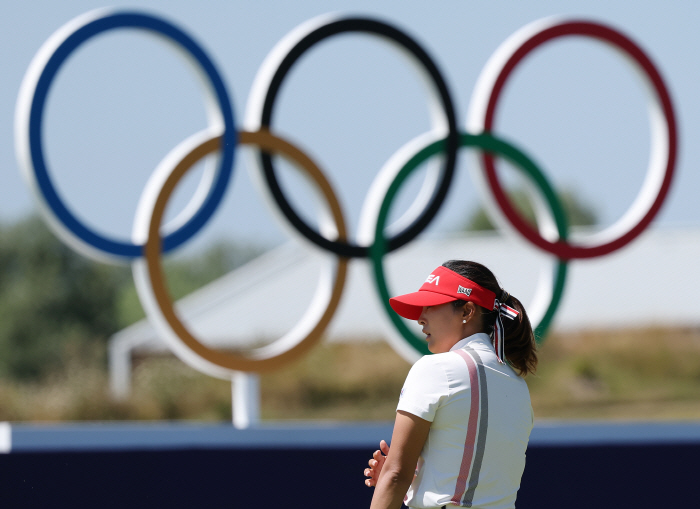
column 464, row 416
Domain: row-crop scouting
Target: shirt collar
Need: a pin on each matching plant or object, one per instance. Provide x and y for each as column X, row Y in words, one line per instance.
column 481, row 337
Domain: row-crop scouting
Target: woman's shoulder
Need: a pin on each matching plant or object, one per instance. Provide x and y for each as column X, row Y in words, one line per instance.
column 444, row 363
column 435, row 359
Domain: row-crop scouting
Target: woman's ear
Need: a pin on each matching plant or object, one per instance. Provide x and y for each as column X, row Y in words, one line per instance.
column 471, row 315
column 468, row 311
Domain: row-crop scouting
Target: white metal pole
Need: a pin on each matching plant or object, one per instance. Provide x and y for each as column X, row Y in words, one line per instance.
column 245, row 390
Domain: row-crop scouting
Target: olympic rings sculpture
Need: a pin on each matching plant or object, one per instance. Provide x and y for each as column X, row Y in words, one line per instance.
column 150, row 238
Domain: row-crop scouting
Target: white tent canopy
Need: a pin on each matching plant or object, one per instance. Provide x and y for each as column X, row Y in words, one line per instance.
column 640, row 285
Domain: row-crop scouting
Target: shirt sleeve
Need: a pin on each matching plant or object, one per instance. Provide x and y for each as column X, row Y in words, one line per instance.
column 424, row 389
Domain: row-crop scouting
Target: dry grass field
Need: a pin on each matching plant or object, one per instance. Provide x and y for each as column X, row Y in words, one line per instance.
column 631, row 374
column 645, row 374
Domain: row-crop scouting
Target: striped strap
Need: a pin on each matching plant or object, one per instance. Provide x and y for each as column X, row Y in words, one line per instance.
column 498, row 333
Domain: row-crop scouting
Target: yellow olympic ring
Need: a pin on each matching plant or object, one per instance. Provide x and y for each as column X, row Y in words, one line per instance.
column 152, row 287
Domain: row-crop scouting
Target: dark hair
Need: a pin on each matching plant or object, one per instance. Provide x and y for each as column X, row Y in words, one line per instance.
column 519, row 341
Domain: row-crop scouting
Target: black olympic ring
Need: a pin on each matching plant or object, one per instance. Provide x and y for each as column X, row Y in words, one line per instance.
column 363, row 25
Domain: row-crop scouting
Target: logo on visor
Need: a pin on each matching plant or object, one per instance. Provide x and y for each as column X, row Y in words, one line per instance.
column 465, row 291
column 433, row 279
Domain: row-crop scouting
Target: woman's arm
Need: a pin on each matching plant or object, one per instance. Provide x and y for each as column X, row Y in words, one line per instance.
column 410, row 434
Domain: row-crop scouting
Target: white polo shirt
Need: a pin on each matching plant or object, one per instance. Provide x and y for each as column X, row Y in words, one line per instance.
column 481, row 418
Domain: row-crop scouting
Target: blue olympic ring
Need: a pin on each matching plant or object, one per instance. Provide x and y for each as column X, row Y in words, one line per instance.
column 224, row 170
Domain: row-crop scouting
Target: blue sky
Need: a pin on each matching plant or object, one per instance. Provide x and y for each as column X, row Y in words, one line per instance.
column 125, row 99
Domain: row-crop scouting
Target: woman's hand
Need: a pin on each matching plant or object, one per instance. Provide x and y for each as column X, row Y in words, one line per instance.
column 376, row 464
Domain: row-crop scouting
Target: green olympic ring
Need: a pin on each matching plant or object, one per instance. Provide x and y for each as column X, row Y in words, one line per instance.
column 489, row 145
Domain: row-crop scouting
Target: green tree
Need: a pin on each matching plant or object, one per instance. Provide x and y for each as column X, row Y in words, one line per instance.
column 52, row 301
column 58, row 307
column 577, row 212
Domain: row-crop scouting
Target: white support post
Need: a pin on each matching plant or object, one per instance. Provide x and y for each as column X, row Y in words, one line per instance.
column 119, row 369
column 245, row 390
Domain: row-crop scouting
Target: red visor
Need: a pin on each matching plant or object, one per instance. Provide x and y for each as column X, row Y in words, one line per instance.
column 442, row 286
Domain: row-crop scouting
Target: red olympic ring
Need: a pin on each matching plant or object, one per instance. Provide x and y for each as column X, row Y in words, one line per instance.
column 483, row 110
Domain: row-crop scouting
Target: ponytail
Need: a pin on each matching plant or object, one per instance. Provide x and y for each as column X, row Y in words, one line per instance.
column 519, row 344
column 519, row 341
